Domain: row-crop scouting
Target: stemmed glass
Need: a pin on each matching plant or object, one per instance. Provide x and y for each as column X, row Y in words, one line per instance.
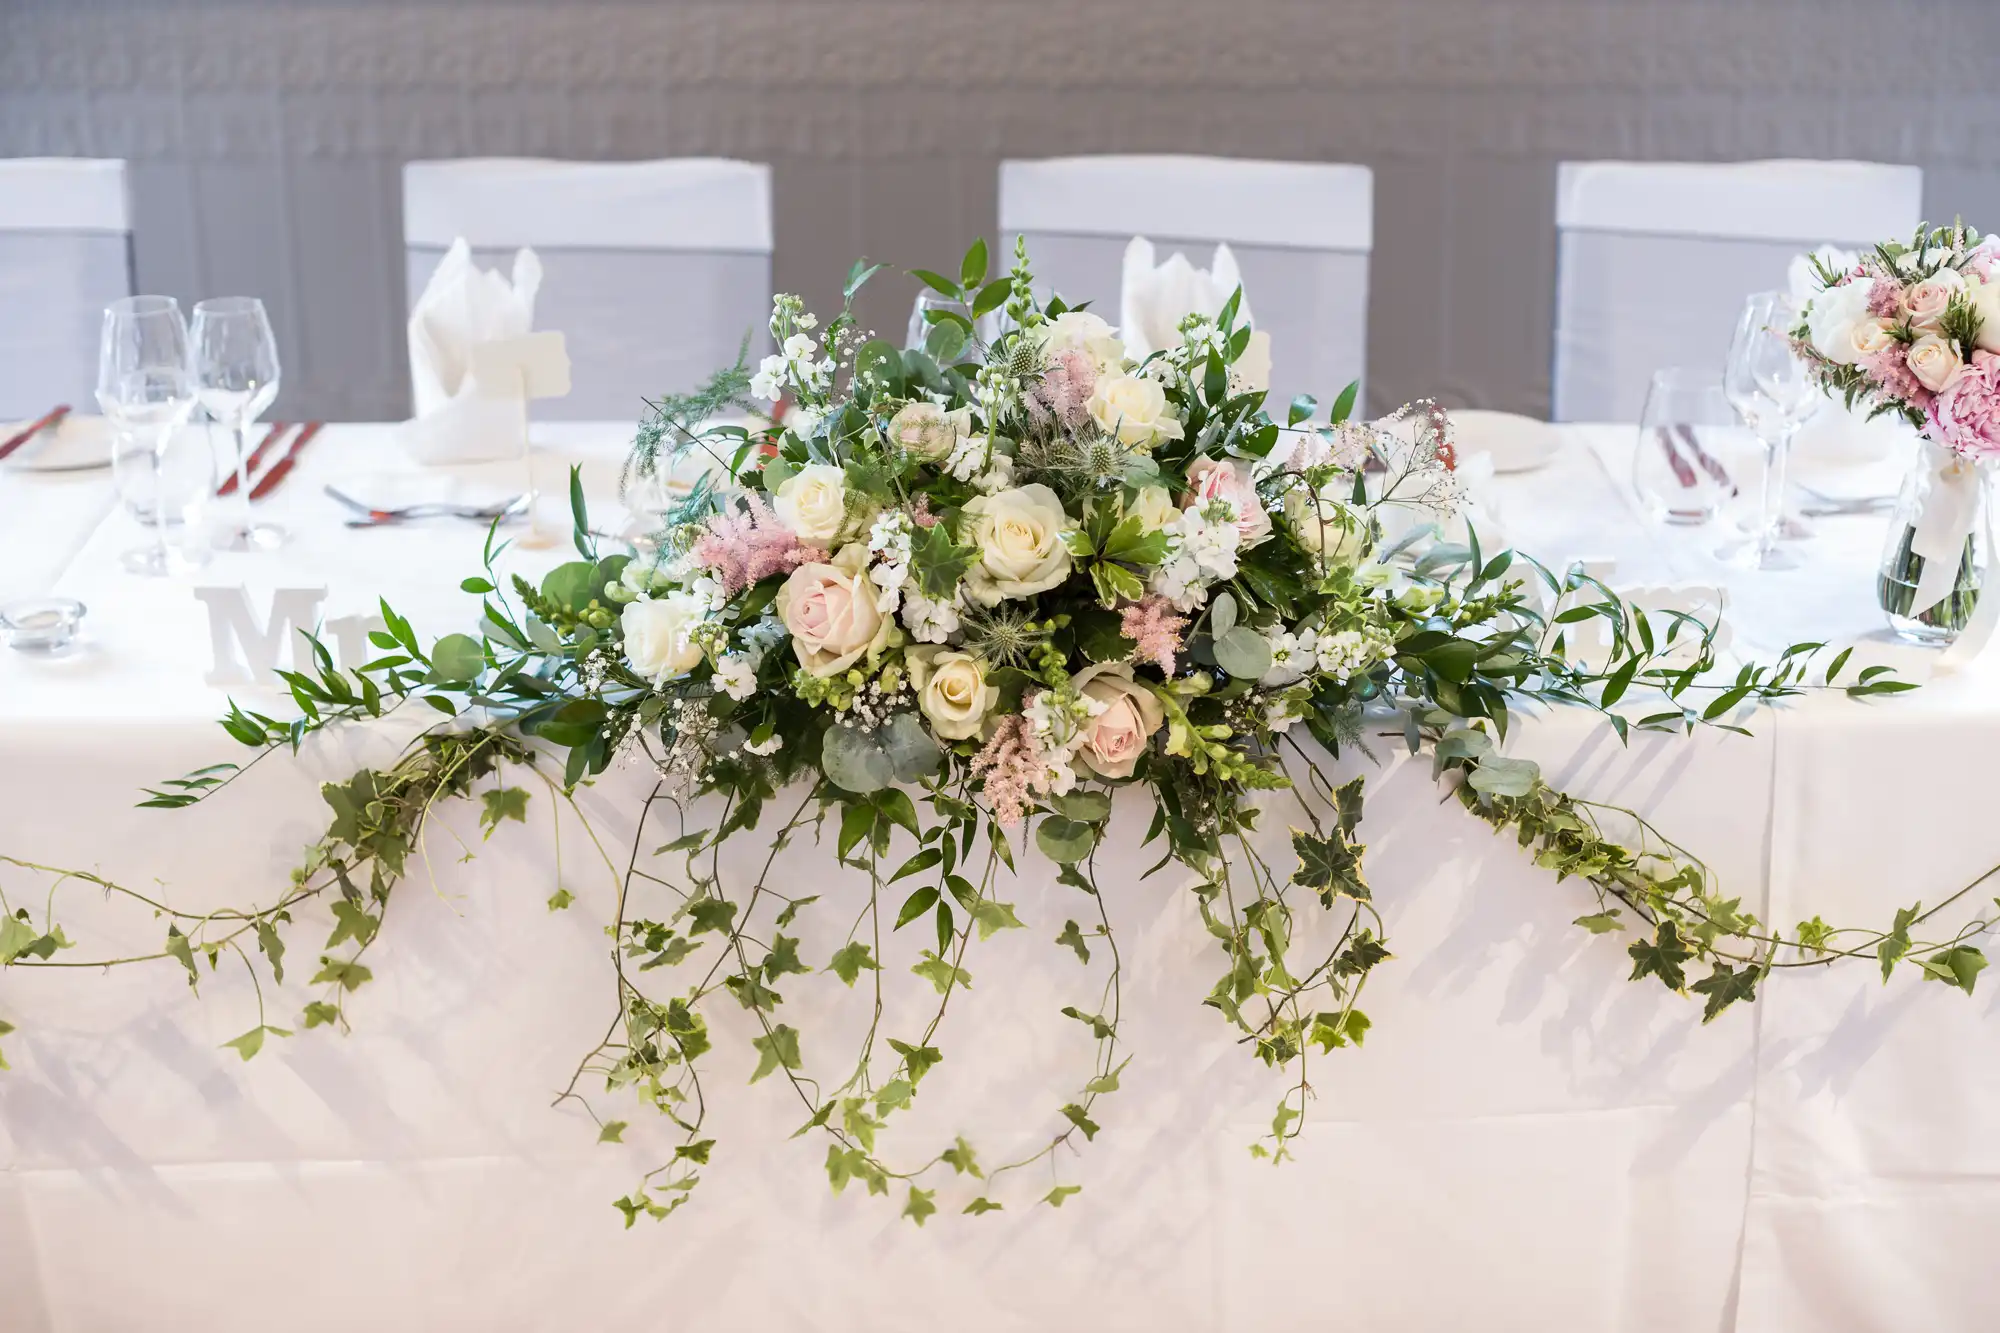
column 146, row 389
column 236, row 373
column 1773, row 390
column 1691, row 446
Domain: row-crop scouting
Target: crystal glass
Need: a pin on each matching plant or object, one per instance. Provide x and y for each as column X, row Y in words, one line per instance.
column 922, row 330
column 236, row 372
column 1691, row 448
column 167, row 487
column 146, row 390
column 1773, row 391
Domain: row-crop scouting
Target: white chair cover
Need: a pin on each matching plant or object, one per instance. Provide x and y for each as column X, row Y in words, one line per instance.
column 65, row 254
column 1655, row 258
column 1301, row 232
column 653, row 271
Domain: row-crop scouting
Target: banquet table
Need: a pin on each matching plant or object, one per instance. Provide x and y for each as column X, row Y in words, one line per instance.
column 1525, row 1141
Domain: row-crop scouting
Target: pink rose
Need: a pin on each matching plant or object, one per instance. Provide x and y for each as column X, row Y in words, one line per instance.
column 1925, row 301
column 1116, row 737
column 1228, row 479
column 831, row 613
column 1966, row 416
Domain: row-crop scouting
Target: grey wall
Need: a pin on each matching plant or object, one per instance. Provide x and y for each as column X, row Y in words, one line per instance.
column 266, row 137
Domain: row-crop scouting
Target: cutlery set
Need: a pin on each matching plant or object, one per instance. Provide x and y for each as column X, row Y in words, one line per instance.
column 269, row 479
column 373, row 517
column 32, row 429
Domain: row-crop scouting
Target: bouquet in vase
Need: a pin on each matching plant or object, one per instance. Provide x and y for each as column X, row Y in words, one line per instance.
column 1914, row 331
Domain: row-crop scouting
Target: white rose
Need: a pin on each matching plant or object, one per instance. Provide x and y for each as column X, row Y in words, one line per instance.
column 831, row 612
column 1935, row 362
column 1154, row 508
column 1019, row 533
column 928, row 431
column 1986, row 306
column 1081, row 331
column 812, row 502
column 1831, row 318
column 952, row 691
column 1926, row 301
column 1326, row 526
column 1134, row 410
column 659, row 635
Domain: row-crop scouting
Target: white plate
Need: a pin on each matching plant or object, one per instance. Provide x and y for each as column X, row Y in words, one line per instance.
column 75, row 444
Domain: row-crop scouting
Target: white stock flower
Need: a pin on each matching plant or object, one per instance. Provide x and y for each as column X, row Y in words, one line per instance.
column 1019, row 536
column 926, row 620
column 736, row 674
column 769, row 381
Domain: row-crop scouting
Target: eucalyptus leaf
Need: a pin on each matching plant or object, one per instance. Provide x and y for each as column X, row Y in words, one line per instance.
column 1063, row 840
column 1221, row 614
column 855, row 761
column 1243, row 653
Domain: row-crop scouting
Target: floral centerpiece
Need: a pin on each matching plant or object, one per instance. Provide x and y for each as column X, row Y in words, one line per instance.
column 936, row 614
column 1914, row 331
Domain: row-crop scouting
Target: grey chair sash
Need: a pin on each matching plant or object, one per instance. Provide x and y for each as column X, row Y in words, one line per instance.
column 1629, row 303
column 54, row 286
column 1313, row 303
column 639, row 323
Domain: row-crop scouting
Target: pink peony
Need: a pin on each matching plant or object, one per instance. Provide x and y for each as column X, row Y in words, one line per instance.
column 1966, row 416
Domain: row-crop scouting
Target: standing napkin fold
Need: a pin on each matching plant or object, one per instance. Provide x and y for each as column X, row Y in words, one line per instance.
column 1157, row 297
column 464, row 305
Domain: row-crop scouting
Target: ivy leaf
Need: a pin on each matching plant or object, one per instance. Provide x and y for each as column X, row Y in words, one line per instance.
column 783, row 958
column 6, row 1027
column 697, row 1151
column 273, row 947
column 1725, row 986
column 1599, row 923
column 711, row 914
column 993, row 916
column 343, row 973
column 1096, row 1023
column 919, row 1206
column 560, row 900
column 919, row 1060
column 939, row 561
column 960, row 1158
column 1073, row 937
column 352, row 922
column 941, row 974
column 16, row 935
column 1107, row 1082
column 1661, row 956
column 1054, row 1198
column 1329, row 864
column 177, row 947
column 982, row 1205
column 613, row 1132
column 1347, row 800
column 848, row 963
column 1814, row 936
column 1897, row 942
column 248, row 1044
column 320, row 1013
column 503, row 803
column 781, row 1047
column 894, row 1095
column 1958, row 966
column 1075, row 1115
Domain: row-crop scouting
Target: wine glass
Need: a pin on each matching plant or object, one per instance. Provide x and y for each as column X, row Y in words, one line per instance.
column 1772, row 388
column 919, row 336
column 166, row 487
column 1691, row 448
column 236, row 374
column 146, row 389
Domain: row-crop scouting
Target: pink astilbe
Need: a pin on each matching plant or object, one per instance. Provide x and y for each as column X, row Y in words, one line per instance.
column 1012, row 762
column 742, row 547
column 1064, row 391
column 920, row 512
column 1890, row 370
column 1154, row 626
column 1885, row 299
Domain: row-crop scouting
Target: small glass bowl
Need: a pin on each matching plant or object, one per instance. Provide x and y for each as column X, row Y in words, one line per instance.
column 45, row 625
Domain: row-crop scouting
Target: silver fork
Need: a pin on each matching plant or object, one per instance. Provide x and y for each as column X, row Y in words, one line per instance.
column 372, row 517
column 1833, row 506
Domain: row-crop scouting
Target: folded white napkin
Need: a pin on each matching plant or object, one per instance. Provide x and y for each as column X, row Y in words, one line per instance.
column 464, row 305
column 1157, row 297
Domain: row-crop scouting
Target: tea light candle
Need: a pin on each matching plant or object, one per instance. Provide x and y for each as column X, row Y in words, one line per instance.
column 41, row 624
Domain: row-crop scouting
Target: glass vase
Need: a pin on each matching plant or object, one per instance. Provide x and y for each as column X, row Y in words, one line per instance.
column 1940, row 520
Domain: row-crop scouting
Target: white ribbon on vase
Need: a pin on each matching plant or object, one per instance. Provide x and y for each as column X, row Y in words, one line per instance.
column 1951, row 509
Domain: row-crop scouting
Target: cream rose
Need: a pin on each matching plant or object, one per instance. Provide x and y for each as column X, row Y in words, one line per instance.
column 1154, row 508
column 1326, row 526
column 1019, row 533
column 659, row 635
column 1227, row 479
column 812, row 502
column 952, row 691
column 1926, row 301
column 1869, row 336
column 1986, row 305
column 1134, row 409
column 1116, row 737
column 928, row 431
column 1082, row 331
column 831, row 614
column 1935, row 362
column 1832, row 316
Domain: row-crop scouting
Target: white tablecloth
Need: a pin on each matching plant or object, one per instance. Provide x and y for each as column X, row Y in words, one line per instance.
column 1526, row 1141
